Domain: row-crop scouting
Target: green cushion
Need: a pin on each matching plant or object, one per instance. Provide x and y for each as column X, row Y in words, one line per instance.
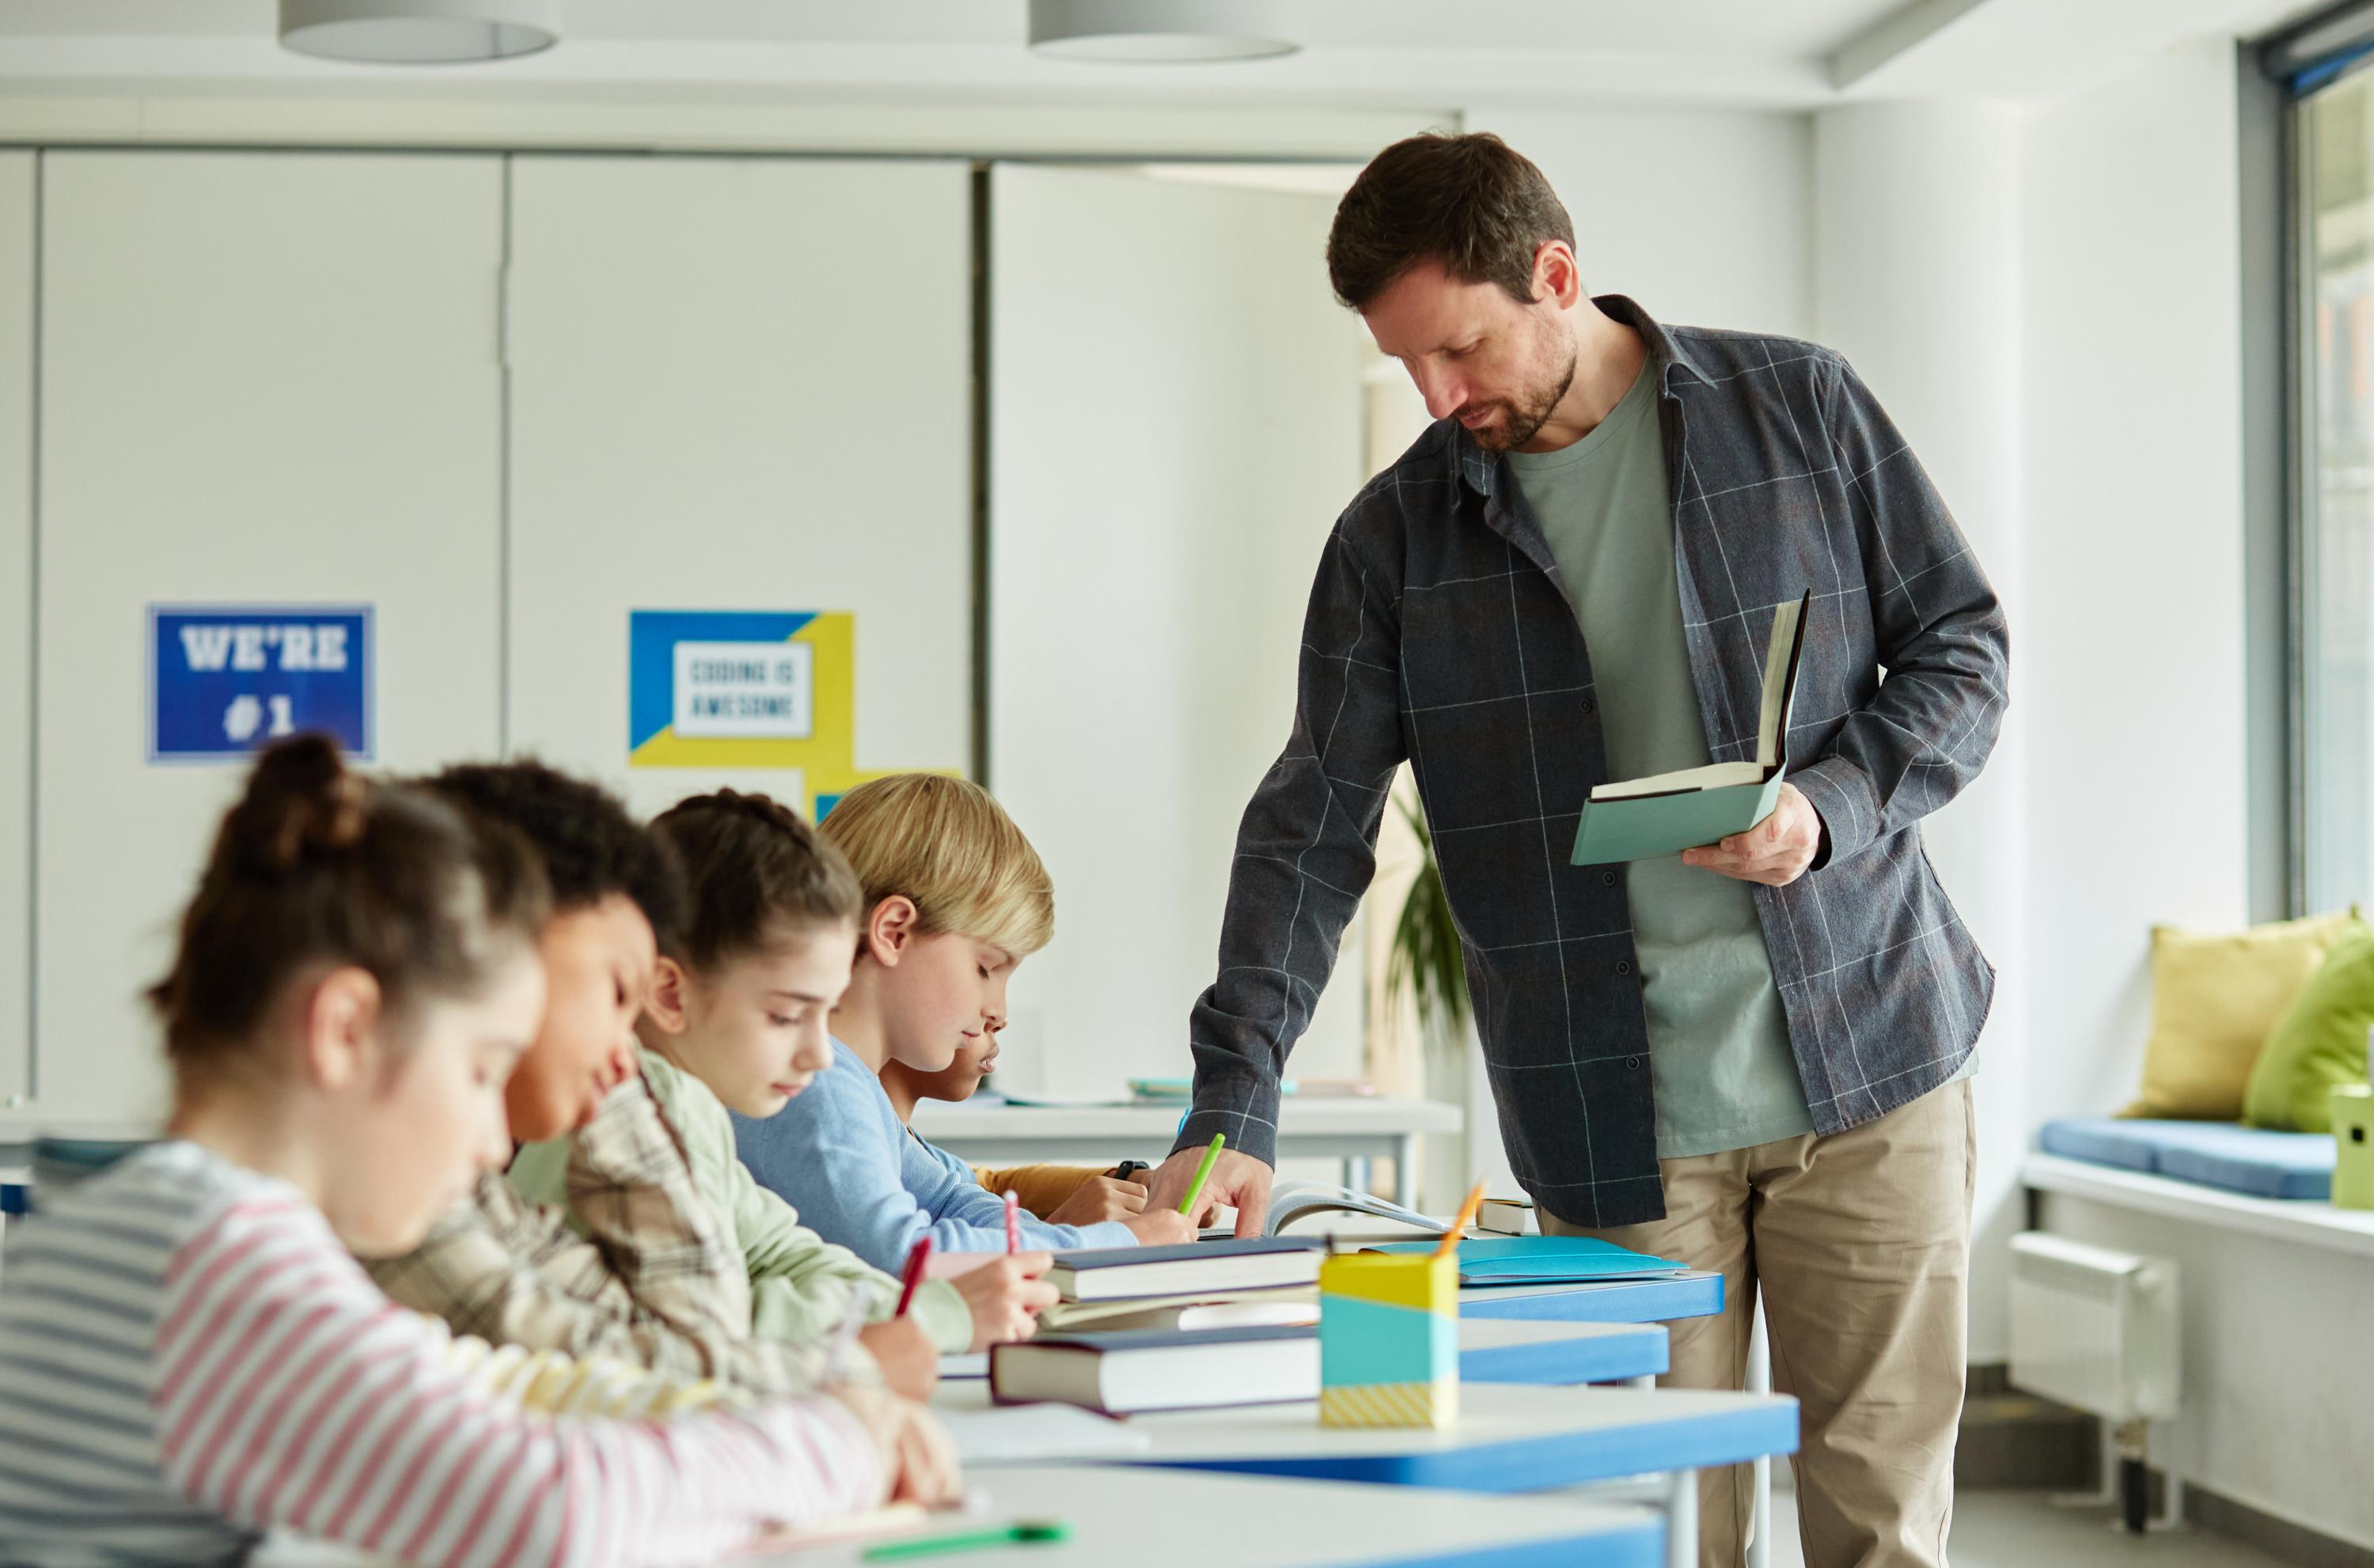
column 2319, row 1042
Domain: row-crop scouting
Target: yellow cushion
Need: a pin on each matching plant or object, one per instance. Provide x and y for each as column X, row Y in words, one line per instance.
column 2215, row 995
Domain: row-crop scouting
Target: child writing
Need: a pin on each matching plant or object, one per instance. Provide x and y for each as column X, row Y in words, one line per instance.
column 1066, row 1195
column 188, row 1353
column 735, row 1019
column 955, row 898
column 501, row 1267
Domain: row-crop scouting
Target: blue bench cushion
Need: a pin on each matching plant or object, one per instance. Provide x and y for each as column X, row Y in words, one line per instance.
column 2102, row 1141
column 2215, row 1153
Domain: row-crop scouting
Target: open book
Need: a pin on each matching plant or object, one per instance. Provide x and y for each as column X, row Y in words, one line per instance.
column 1319, row 1207
column 1641, row 819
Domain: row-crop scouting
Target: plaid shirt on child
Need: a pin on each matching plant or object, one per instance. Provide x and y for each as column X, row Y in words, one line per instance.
column 1440, row 632
column 513, row 1272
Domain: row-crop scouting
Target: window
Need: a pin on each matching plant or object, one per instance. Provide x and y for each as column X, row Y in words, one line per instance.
column 2333, row 143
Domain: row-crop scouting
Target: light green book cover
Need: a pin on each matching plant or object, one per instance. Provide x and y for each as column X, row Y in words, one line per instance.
column 1641, row 819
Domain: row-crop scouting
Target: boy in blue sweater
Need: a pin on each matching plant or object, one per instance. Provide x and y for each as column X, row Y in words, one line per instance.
column 955, row 899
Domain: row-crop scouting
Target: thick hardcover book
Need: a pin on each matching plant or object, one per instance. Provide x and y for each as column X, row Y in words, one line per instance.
column 1124, row 1374
column 1113, row 1274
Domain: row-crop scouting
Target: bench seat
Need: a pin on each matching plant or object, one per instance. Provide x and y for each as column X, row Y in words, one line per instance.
column 2213, row 1154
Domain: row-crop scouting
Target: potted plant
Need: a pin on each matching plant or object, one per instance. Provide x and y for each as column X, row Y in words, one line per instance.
column 1424, row 962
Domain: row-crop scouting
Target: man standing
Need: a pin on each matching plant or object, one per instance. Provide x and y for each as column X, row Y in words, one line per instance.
column 1750, row 1057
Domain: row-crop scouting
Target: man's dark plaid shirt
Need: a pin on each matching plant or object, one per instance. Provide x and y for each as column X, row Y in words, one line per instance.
column 1439, row 632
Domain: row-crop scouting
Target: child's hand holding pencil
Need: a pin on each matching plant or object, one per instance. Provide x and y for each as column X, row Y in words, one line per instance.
column 1006, row 1294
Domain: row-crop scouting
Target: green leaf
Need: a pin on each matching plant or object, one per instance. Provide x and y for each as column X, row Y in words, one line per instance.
column 1425, row 961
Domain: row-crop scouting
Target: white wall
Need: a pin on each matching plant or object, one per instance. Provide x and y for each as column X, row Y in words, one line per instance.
column 2135, row 552
column 1917, row 282
column 272, row 377
column 1175, row 425
column 1703, row 215
column 740, row 384
column 2133, row 651
column 265, row 379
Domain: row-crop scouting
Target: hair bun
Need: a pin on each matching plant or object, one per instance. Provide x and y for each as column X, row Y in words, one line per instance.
column 763, row 809
column 300, row 801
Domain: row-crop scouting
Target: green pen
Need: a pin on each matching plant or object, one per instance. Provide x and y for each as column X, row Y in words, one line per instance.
column 1022, row 1532
column 1195, row 1188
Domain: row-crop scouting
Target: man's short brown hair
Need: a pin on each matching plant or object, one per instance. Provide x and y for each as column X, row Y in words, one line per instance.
column 1472, row 203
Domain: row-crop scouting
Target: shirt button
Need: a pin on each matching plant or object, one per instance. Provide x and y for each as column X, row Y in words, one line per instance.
column 1589, row 706
column 1632, row 1063
column 1624, row 966
column 1607, row 878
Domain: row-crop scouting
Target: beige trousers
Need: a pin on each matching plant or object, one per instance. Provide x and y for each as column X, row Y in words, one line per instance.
column 1861, row 1244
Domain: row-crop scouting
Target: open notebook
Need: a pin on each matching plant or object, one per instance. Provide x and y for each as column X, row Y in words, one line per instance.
column 1641, row 819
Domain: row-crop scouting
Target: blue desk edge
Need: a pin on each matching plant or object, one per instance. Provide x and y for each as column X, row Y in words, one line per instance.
column 1635, row 1300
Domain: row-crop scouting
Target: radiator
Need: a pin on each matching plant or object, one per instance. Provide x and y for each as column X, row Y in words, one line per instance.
column 2094, row 1329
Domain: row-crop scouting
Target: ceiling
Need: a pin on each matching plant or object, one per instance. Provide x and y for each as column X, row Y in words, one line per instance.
column 1397, row 55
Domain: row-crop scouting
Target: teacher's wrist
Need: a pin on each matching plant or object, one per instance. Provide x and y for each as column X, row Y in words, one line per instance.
column 1243, row 1109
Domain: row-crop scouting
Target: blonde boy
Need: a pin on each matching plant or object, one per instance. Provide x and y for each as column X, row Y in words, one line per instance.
column 955, row 898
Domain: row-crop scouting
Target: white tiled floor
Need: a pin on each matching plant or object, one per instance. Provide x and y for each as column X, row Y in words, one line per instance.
column 2025, row 1530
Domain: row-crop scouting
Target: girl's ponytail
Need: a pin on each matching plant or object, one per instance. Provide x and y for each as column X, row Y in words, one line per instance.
column 317, row 867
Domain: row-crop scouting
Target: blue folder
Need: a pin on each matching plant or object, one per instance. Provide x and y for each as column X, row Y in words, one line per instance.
column 1542, row 1260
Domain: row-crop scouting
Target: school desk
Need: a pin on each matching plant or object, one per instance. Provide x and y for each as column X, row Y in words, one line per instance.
column 1509, row 1350
column 1695, row 1293
column 1510, row 1437
column 1258, row 1522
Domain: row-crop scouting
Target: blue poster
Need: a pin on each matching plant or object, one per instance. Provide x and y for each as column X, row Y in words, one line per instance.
column 224, row 680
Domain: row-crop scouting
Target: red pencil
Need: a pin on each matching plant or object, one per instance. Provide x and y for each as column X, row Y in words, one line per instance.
column 1013, row 1220
column 916, row 1258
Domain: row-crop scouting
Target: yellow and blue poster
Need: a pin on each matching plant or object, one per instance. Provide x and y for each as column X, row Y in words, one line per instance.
column 747, row 689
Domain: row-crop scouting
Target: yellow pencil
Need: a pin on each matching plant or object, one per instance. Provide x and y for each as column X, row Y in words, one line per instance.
column 1459, row 1226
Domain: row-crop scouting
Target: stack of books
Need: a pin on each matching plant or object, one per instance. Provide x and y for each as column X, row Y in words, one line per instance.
column 1230, row 1321
column 1196, row 1326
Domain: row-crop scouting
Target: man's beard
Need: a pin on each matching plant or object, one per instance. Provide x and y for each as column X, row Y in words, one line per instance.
column 1522, row 422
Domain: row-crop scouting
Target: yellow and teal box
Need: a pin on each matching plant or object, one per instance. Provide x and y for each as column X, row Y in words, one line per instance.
column 1388, row 1340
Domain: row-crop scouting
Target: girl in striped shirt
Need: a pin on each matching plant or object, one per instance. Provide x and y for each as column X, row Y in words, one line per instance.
column 190, row 1356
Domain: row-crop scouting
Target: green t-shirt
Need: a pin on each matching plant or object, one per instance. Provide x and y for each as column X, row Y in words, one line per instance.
column 1718, row 1040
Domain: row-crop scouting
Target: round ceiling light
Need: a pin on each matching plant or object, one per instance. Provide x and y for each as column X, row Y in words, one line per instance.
column 1163, row 32
column 420, row 32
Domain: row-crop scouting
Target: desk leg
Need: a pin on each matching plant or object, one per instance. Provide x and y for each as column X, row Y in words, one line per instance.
column 1682, row 1519
column 1759, row 1381
column 1405, row 1170
column 1355, row 1171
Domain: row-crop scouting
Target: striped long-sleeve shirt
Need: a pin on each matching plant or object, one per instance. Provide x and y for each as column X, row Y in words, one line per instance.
column 188, row 1357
